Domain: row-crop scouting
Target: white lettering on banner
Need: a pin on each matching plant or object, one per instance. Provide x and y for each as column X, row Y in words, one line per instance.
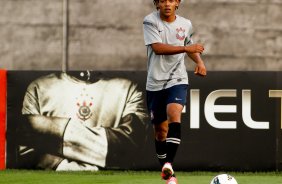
column 246, row 112
column 277, row 94
column 195, row 111
column 210, row 109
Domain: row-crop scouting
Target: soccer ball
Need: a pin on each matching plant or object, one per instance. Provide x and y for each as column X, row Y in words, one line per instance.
column 224, row 179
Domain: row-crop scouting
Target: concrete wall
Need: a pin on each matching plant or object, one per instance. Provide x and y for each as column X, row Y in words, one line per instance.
column 107, row 34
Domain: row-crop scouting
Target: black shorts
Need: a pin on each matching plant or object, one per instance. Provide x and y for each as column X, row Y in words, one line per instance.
column 157, row 101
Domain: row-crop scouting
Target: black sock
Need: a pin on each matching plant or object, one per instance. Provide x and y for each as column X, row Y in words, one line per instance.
column 173, row 140
column 161, row 151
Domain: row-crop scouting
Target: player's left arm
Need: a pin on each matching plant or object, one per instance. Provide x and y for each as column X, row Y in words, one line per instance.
column 200, row 68
column 195, row 52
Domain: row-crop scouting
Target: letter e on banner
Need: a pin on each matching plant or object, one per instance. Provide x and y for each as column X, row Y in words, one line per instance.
column 211, row 109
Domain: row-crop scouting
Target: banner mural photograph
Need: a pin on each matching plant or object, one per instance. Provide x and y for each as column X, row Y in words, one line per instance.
column 90, row 120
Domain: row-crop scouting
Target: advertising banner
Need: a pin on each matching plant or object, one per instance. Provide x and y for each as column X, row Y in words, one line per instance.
column 84, row 120
column 234, row 120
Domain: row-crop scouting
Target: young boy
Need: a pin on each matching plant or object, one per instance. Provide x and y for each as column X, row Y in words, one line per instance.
column 168, row 37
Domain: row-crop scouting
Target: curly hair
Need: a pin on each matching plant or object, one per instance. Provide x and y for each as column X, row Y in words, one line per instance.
column 156, row 1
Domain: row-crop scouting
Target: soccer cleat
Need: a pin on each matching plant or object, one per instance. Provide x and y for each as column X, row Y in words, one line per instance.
column 172, row 180
column 167, row 171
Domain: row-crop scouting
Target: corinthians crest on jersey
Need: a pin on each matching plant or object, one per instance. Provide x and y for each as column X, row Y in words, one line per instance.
column 84, row 103
column 180, row 35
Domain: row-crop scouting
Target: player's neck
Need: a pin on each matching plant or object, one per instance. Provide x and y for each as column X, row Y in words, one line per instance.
column 169, row 18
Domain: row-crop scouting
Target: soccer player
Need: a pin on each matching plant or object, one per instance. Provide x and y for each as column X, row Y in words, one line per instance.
column 167, row 37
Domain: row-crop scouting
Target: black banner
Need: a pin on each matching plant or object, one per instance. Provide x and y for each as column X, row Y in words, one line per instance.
column 235, row 121
column 232, row 121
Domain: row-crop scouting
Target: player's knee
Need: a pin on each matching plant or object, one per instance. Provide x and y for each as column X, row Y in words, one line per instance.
column 174, row 116
column 174, row 111
column 161, row 134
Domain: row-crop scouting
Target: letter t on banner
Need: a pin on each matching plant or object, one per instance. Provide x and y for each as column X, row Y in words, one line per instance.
column 277, row 94
column 3, row 90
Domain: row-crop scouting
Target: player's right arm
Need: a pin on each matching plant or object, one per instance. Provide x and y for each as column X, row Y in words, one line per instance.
column 166, row 49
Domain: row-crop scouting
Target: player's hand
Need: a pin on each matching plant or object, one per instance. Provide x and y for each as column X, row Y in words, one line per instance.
column 194, row 48
column 200, row 70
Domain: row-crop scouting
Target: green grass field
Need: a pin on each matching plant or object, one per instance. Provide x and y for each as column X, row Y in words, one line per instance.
column 128, row 177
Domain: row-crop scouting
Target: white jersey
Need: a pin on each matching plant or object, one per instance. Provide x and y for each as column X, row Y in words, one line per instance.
column 165, row 71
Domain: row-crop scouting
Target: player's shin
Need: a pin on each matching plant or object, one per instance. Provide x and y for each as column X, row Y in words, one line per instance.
column 161, row 151
column 173, row 140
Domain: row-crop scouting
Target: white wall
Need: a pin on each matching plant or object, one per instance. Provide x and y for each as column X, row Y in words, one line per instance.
column 107, row 34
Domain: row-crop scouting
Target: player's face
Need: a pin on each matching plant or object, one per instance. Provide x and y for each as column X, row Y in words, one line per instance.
column 167, row 8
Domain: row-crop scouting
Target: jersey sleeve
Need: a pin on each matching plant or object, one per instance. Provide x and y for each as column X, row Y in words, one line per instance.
column 151, row 32
column 127, row 139
column 85, row 144
column 189, row 40
column 31, row 100
column 135, row 102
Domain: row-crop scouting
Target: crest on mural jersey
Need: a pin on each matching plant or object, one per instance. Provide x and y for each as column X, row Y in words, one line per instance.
column 84, row 111
column 180, row 35
column 84, row 107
